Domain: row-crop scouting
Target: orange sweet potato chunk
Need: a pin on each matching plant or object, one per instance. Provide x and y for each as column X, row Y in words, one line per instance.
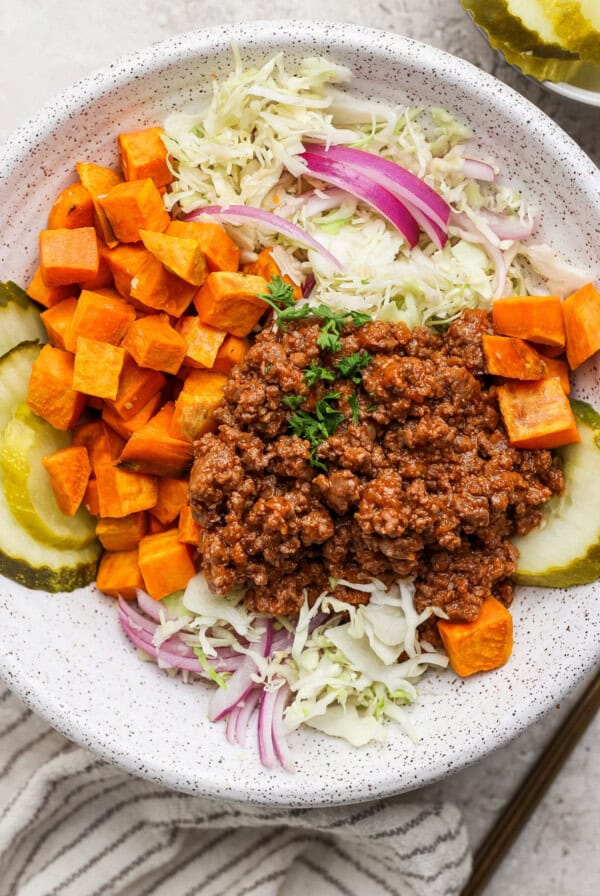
column 231, row 302
column 179, row 255
column 51, row 394
column 124, row 262
column 202, row 342
column 152, row 342
column 537, row 414
column 124, row 533
column 121, row 492
column 232, row 352
column 511, row 357
column 119, row 574
column 481, row 645
column 133, row 206
column 155, row 287
column 189, row 530
column 69, row 470
column 582, row 324
column 536, row 318
column 102, row 443
column 57, row 320
column 143, row 154
column 220, row 251
column 98, row 181
column 97, row 367
column 99, row 317
column 172, row 497
column 166, row 563
column 48, row 296
column 202, row 393
column 127, row 427
column 137, row 385
column 153, row 449
column 73, row 207
column 68, row 256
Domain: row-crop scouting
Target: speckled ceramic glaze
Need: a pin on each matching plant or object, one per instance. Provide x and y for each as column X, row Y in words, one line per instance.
column 65, row 655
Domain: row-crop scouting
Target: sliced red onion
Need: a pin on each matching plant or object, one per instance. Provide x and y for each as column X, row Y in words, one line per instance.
column 507, row 227
column 436, row 234
column 136, row 618
column 479, row 170
column 280, row 745
column 266, row 749
column 461, row 220
column 309, row 285
column 244, row 714
column 403, row 184
column 175, row 661
column 366, row 190
column 238, row 687
column 149, row 606
column 231, row 726
column 316, row 205
column 239, row 214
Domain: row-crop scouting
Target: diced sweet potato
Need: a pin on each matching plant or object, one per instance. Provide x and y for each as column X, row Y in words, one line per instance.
column 68, row 256
column 122, row 533
column 57, row 320
column 182, row 257
column 536, row 318
column 155, row 526
column 481, row 645
column 152, row 342
column 556, row 367
column 137, row 386
column 98, row 181
column 202, row 393
column 127, row 427
column 232, row 352
column 119, row 574
column 166, row 563
column 152, row 449
column 124, row 263
column 69, row 470
column 231, row 302
column 220, row 251
column 102, row 443
column 51, row 394
column 97, row 367
column 266, row 266
column 143, row 154
column 511, row 357
column 101, row 318
column 73, row 207
column 582, row 324
column 48, row 296
column 537, row 414
column 202, row 342
column 90, row 499
column 189, row 530
column 155, row 287
column 172, row 496
column 121, row 492
column 104, row 277
column 133, row 206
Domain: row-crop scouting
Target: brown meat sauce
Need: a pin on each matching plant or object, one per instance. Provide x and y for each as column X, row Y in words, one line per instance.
column 424, row 484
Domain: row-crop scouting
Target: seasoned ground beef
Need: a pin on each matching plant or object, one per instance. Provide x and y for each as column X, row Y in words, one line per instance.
column 421, row 482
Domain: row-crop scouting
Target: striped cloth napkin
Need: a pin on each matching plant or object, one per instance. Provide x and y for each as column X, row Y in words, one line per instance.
column 73, row 825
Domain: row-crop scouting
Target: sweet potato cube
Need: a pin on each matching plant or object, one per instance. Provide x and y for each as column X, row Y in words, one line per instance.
column 126, row 428
column 143, row 154
column 232, row 352
column 511, row 357
column 537, row 414
column 202, row 393
column 104, row 278
column 152, row 342
column 152, row 449
column 155, row 525
column 97, row 367
column 582, row 324
column 137, row 386
column 101, row 318
column 266, row 266
column 556, row 367
column 124, row 263
column 155, row 287
column 122, row 533
column 68, row 256
column 166, row 563
column 179, row 255
column 481, row 645
column 119, row 574
column 90, row 499
column 73, row 207
column 48, row 296
column 102, row 443
column 220, row 251
column 69, row 470
column 536, row 318
column 189, row 530
column 121, row 492
column 99, row 181
column 172, row 497
column 133, row 206
column 51, row 394
column 202, row 342
column 231, row 302
column 57, row 320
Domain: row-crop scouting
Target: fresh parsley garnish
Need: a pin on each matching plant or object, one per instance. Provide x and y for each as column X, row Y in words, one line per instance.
column 359, row 318
column 351, row 366
column 317, row 427
column 329, row 337
column 353, row 402
column 314, row 372
column 280, row 294
column 293, row 402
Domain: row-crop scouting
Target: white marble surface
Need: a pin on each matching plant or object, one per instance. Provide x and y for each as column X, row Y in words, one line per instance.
column 46, row 45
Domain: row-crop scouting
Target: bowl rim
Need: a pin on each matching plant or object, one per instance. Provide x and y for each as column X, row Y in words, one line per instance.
column 572, row 92
column 153, row 58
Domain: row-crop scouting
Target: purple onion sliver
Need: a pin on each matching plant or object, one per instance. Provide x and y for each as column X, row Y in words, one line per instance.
column 136, row 619
column 309, row 285
column 365, row 189
column 238, row 687
column 245, row 711
column 265, row 729
column 462, row 220
column 149, row 606
column 268, row 637
column 280, row 744
column 438, row 237
column 405, row 185
column 231, row 726
column 479, row 170
column 507, row 227
column 238, row 214
column 175, row 661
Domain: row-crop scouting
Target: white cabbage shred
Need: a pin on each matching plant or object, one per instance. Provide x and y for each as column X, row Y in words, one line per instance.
column 241, row 145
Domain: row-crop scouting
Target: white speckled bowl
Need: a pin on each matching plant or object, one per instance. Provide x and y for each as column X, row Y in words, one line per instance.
column 65, row 654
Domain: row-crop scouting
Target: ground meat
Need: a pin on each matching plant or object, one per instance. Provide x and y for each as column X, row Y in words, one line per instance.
column 418, row 479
